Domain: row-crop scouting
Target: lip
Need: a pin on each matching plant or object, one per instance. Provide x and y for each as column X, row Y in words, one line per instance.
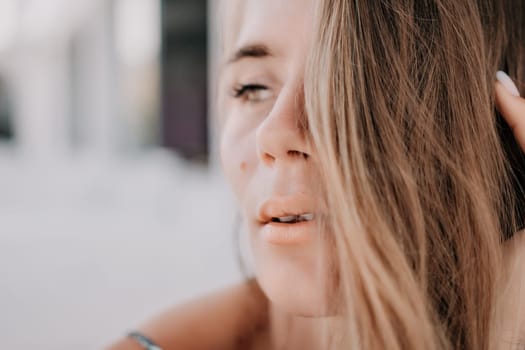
column 279, row 233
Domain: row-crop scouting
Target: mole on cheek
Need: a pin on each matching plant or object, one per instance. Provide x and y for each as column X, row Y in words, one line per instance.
column 243, row 166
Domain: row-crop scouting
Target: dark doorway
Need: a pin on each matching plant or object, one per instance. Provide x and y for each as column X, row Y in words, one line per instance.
column 184, row 77
column 6, row 125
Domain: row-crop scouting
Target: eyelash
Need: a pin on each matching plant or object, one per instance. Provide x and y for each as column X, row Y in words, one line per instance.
column 241, row 90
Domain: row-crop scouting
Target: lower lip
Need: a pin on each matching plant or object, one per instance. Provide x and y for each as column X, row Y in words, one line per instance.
column 288, row 234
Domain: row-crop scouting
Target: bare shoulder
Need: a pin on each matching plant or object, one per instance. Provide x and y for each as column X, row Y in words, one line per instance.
column 513, row 294
column 223, row 319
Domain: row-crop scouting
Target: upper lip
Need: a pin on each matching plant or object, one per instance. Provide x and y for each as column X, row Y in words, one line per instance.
column 285, row 206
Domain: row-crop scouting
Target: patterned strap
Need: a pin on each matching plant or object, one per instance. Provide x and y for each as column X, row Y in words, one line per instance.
column 147, row 343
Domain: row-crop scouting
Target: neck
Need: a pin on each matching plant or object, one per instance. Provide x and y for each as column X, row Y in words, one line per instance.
column 294, row 332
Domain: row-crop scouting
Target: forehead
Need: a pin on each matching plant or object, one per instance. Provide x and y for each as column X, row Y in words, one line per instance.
column 283, row 25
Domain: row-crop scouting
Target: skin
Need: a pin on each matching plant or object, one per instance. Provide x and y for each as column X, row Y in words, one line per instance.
column 264, row 155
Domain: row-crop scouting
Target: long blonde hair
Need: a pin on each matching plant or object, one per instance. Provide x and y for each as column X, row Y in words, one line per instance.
column 399, row 100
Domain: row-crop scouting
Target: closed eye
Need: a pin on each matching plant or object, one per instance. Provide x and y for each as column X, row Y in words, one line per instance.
column 251, row 93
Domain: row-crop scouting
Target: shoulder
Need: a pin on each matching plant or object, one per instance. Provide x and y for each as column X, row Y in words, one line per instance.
column 224, row 319
column 238, row 304
column 221, row 320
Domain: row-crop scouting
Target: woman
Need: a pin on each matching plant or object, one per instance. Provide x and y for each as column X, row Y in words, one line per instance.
column 381, row 193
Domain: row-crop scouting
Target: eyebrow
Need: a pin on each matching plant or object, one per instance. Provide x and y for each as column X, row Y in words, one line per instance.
column 254, row 51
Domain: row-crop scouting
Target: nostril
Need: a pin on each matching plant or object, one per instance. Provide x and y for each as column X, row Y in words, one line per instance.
column 298, row 154
column 268, row 158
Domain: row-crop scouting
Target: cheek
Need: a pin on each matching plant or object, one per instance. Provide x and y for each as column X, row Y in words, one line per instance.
column 295, row 279
column 238, row 158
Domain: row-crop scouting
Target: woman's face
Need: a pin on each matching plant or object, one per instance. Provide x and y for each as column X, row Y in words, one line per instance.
column 267, row 156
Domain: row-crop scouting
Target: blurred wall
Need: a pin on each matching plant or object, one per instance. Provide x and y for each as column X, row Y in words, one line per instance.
column 100, row 226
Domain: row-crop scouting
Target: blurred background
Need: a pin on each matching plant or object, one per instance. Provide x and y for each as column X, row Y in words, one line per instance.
column 112, row 202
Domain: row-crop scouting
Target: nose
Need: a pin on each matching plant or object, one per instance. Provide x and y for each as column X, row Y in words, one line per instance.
column 282, row 134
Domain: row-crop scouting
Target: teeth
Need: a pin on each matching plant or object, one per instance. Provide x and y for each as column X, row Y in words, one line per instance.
column 307, row 217
column 288, row 218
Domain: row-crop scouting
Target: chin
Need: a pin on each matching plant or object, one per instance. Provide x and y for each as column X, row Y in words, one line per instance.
column 294, row 287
